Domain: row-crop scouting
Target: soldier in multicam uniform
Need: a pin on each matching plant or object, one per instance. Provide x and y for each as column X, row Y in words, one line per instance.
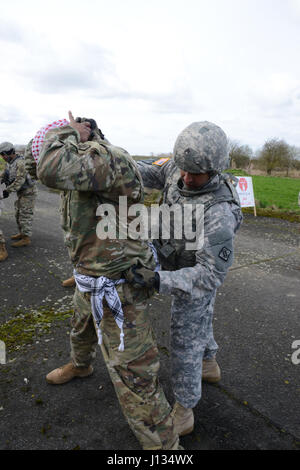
column 18, row 180
column 91, row 172
column 194, row 176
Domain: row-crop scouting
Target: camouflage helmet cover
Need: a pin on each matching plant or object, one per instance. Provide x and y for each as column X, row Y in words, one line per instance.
column 6, row 147
column 201, row 147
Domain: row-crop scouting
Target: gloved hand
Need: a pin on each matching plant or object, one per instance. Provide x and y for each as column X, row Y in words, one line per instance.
column 84, row 128
column 139, row 276
column 5, row 194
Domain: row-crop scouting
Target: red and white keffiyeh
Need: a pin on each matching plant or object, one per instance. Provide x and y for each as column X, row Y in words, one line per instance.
column 40, row 136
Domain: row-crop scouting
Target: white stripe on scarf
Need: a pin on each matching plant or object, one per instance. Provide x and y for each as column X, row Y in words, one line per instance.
column 102, row 286
column 99, row 288
column 39, row 138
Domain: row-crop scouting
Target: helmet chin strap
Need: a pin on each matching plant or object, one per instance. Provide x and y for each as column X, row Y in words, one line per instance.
column 210, row 186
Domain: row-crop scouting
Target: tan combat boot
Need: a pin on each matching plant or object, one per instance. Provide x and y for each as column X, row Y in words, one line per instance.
column 24, row 241
column 69, row 282
column 3, row 252
column 16, row 237
column 68, row 372
column 211, row 371
column 183, row 419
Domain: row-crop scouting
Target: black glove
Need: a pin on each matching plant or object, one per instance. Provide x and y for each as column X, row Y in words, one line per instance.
column 5, row 194
column 94, row 127
column 139, row 277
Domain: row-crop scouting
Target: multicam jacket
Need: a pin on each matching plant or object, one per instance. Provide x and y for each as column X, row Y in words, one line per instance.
column 91, row 174
column 16, row 175
column 195, row 272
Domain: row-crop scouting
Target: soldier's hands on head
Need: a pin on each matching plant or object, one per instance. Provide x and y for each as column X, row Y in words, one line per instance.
column 84, row 128
column 140, row 277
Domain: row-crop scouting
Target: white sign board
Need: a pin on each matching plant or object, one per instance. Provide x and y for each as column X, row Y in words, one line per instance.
column 245, row 191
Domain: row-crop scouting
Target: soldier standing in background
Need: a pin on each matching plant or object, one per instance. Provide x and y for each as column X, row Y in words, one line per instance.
column 90, row 172
column 3, row 252
column 17, row 179
column 195, row 177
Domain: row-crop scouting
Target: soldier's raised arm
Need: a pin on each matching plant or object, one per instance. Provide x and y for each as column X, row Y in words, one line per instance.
column 68, row 162
column 154, row 172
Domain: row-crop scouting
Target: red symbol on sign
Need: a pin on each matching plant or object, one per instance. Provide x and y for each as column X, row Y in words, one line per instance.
column 243, row 184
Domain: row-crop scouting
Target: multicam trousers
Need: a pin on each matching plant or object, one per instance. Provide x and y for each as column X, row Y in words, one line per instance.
column 24, row 208
column 192, row 341
column 133, row 371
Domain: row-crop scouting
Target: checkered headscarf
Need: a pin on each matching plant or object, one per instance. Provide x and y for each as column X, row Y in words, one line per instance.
column 40, row 136
column 103, row 288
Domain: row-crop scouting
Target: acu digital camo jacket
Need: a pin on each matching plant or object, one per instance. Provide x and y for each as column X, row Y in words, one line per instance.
column 199, row 272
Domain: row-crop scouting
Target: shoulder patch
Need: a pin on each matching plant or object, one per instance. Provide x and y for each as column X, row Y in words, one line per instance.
column 225, row 254
column 161, row 161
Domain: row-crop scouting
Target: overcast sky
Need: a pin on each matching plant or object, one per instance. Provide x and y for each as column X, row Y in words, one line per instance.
column 146, row 70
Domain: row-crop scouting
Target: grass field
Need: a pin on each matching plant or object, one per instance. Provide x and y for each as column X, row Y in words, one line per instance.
column 277, row 192
column 2, row 164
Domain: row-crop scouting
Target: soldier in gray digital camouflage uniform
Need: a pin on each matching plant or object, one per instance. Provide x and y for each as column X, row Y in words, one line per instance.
column 194, row 177
column 18, row 180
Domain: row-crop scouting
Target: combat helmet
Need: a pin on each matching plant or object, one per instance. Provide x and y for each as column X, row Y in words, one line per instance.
column 202, row 147
column 7, row 147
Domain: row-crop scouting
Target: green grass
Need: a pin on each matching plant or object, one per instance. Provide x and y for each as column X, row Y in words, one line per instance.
column 238, row 172
column 23, row 328
column 143, row 157
column 2, row 165
column 274, row 191
column 277, row 191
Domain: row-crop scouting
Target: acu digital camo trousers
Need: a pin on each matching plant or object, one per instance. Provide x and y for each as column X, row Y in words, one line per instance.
column 192, row 341
column 133, row 371
column 24, row 209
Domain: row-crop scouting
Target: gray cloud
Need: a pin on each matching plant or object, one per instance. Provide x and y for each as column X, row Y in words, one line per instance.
column 63, row 80
column 10, row 115
column 10, row 32
column 90, row 67
column 177, row 102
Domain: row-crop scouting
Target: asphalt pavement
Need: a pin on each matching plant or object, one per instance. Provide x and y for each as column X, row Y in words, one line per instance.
column 256, row 406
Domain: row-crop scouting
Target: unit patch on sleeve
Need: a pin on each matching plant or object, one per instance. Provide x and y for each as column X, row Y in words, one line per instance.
column 161, row 161
column 225, row 254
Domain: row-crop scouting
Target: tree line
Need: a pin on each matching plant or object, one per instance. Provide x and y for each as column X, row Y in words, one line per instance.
column 276, row 154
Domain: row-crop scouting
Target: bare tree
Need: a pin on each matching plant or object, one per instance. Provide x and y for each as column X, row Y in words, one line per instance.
column 240, row 155
column 275, row 153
